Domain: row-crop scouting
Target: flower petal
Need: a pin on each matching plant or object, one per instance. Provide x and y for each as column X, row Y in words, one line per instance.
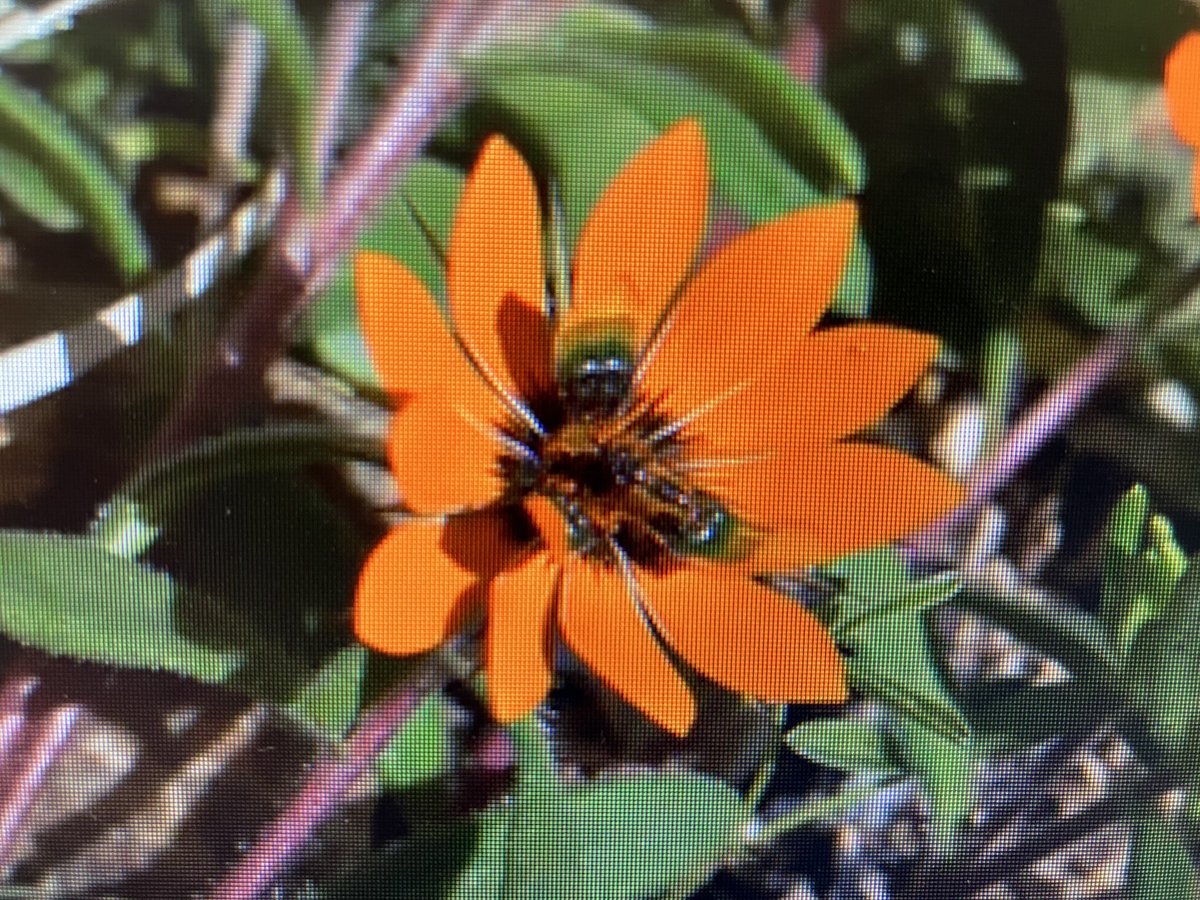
column 418, row 581
column 601, row 623
column 838, row 499
column 518, row 647
column 744, row 309
column 1181, row 80
column 550, row 524
column 411, row 343
column 496, row 279
column 837, row 382
column 746, row 637
column 641, row 237
column 444, row 460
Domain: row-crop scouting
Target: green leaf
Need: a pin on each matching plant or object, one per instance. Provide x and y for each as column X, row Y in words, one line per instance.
column 144, row 140
column 69, row 597
column 908, row 596
column 1164, row 664
column 275, row 563
column 35, row 130
column 291, row 78
column 947, row 769
column 794, row 117
column 1007, row 716
column 643, row 834
column 891, row 659
column 1071, row 635
column 123, row 527
column 858, row 282
column 878, row 615
column 423, row 749
column 748, row 172
column 331, row 699
column 1160, row 866
column 628, row 837
column 624, row 838
column 169, row 484
column 866, row 580
column 1123, row 541
column 427, row 865
column 981, row 57
column 1097, row 277
column 1142, row 565
column 426, row 199
column 850, row 745
column 28, row 187
column 1002, row 381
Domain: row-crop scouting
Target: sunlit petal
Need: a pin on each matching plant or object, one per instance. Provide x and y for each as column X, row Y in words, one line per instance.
column 642, row 235
column 518, row 641
column 443, row 459
column 834, row 383
column 496, row 279
column 409, row 591
column 746, row 637
column 843, row 498
column 746, row 308
column 550, row 525
column 410, row 340
column 1181, row 80
column 602, row 624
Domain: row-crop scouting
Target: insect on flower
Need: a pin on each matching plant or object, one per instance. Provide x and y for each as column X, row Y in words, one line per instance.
column 617, row 473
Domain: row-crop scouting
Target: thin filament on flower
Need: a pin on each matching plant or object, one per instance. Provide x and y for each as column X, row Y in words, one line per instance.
column 614, row 466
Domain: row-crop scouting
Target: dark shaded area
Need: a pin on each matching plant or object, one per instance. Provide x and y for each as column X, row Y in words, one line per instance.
column 955, row 248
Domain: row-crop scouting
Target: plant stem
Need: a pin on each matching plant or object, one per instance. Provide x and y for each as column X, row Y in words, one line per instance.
column 812, row 812
column 238, row 82
column 47, row 743
column 326, row 787
column 306, row 249
column 347, row 26
column 766, row 769
column 957, row 879
column 1030, row 434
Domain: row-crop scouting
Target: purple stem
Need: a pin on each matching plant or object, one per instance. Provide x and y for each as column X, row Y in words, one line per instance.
column 1060, row 404
column 13, row 697
column 425, row 95
column 1029, row 435
column 323, row 792
column 305, row 250
column 347, row 25
column 239, row 79
column 50, row 740
column 15, row 693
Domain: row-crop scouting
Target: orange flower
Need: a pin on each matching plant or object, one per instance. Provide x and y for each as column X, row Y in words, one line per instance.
column 1181, row 81
column 615, row 472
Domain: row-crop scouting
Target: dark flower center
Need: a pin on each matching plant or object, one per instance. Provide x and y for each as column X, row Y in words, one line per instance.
column 614, row 467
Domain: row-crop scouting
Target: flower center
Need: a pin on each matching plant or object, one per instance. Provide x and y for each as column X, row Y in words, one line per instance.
column 615, row 470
